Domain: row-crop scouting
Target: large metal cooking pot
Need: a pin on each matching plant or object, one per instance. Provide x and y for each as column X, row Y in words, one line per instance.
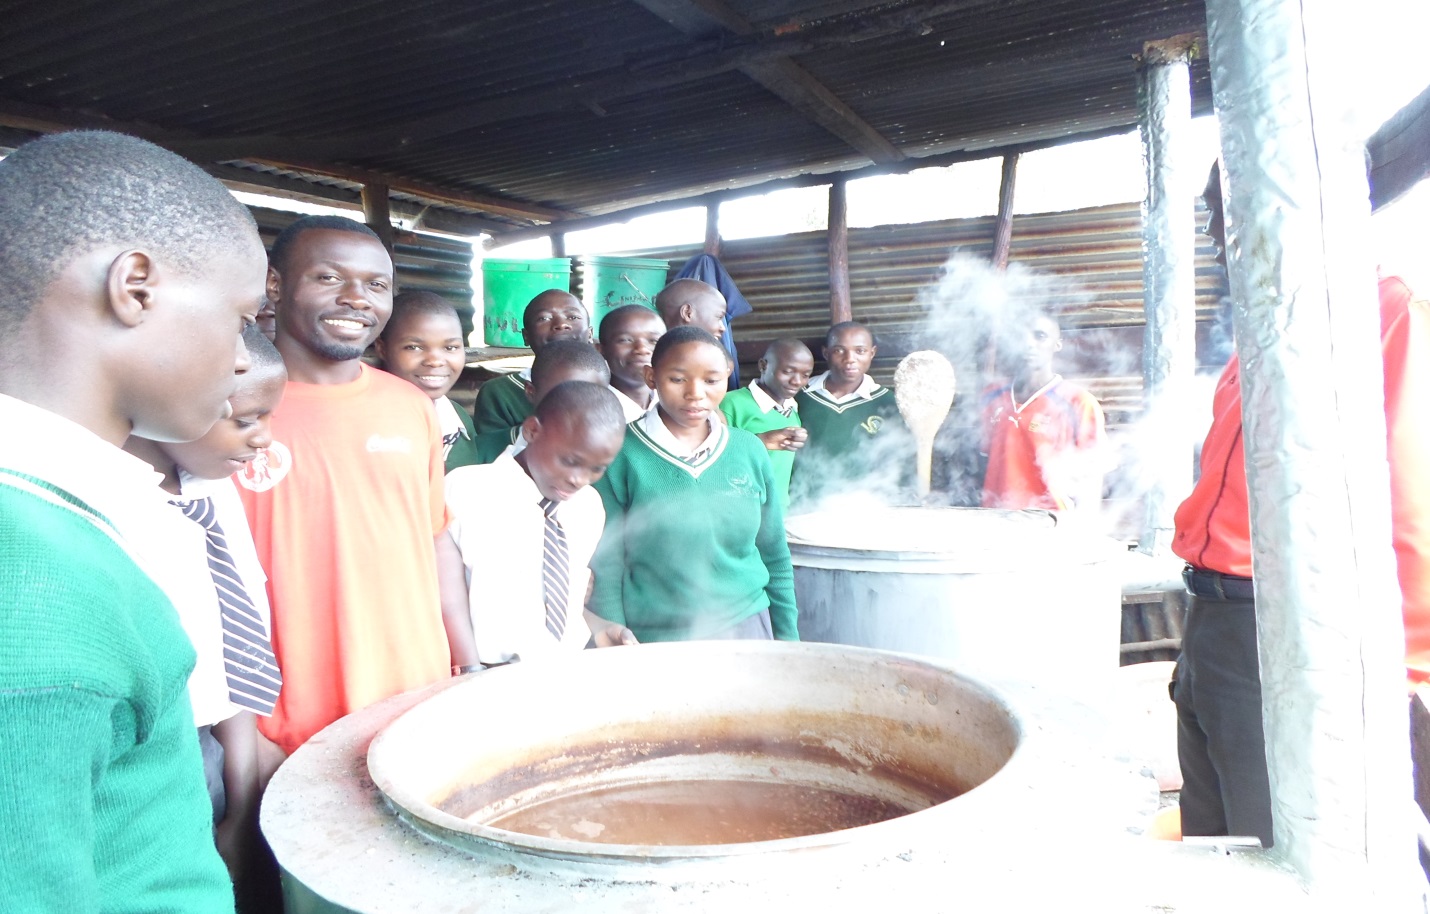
column 1045, row 815
column 1012, row 595
column 887, row 733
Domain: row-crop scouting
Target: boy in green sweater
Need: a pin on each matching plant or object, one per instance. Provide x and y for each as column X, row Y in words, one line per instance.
column 129, row 274
column 422, row 344
column 857, row 439
column 767, row 407
column 551, row 315
column 694, row 543
column 559, row 362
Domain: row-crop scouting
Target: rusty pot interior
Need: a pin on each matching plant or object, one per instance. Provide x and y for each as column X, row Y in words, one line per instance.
column 690, row 750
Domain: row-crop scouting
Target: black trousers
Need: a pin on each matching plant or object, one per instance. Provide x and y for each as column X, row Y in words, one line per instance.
column 1220, row 743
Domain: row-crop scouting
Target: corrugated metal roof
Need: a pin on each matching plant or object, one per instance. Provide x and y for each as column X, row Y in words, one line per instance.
column 580, row 105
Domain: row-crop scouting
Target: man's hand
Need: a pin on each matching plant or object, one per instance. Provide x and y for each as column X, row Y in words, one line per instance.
column 784, row 439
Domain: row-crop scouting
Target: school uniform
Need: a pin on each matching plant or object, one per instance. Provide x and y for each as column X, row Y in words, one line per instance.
column 209, row 688
column 458, row 434
column 853, row 437
column 100, row 773
column 694, row 544
column 488, row 446
column 502, row 403
column 499, row 525
column 754, row 410
column 630, row 408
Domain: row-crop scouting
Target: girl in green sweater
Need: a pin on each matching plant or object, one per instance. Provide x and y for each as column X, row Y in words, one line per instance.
column 694, row 544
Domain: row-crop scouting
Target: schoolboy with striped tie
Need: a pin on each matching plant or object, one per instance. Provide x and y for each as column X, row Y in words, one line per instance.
column 236, row 677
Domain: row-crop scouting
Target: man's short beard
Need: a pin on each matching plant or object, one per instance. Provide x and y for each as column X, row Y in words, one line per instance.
column 338, row 352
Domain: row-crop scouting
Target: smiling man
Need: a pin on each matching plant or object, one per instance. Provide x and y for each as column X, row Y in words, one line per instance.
column 347, row 505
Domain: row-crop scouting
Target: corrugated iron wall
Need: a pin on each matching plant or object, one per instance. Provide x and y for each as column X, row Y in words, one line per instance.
column 1098, row 249
column 424, row 262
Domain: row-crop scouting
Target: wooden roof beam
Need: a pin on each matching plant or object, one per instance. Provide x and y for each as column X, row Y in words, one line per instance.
column 793, row 84
column 40, row 119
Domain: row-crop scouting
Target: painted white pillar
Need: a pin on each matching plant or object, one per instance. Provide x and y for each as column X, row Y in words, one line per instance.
column 1328, row 610
column 1169, row 345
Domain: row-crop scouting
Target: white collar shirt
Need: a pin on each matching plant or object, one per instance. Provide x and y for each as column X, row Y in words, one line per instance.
column 654, row 427
column 766, row 403
column 500, row 529
column 629, row 407
column 866, row 389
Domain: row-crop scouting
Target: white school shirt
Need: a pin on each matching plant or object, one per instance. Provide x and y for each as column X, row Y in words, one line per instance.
column 499, row 527
column 228, row 510
column 654, row 426
column 629, row 407
column 766, row 403
column 866, row 389
column 171, row 549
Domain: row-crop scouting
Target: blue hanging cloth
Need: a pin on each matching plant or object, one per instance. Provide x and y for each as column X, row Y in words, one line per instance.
column 708, row 269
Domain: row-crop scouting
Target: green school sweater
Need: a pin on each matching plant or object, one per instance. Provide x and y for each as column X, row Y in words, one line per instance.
column 741, row 411
column 691, row 551
column 488, row 446
column 501, row 403
column 854, row 446
column 102, row 790
column 464, row 449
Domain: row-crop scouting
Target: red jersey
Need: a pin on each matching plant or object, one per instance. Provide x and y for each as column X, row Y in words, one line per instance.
column 1045, row 453
column 1214, row 526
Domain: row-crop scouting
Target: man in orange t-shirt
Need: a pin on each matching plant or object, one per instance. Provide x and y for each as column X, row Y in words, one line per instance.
column 1042, row 435
column 347, row 505
column 1220, row 742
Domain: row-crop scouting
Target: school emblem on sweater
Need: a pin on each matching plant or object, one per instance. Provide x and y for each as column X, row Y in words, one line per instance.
column 267, row 469
column 872, row 424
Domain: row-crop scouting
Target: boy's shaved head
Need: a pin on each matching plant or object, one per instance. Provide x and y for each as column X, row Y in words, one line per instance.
column 69, row 193
column 787, row 347
column 278, row 254
column 570, row 355
column 692, row 302
column 263, row 357
column 592, row 404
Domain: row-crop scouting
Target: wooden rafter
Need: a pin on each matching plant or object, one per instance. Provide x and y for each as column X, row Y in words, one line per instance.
column 793, row 84
column 49, row 120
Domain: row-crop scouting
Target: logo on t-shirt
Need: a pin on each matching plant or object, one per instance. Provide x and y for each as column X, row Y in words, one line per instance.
column 379, row 444
column 267, row 469
column 872, row 424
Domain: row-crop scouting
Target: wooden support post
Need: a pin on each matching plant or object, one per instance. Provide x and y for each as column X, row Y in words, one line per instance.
column 558, row 245
column 377, row 214
column 712, row 228
column 1003, row 228
column 840, row 308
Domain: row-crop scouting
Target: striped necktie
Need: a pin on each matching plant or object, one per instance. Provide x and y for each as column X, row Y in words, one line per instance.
column 555, row 571
column 248, row 661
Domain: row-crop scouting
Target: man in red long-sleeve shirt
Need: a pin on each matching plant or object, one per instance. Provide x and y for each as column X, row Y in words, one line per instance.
column 1218, row 688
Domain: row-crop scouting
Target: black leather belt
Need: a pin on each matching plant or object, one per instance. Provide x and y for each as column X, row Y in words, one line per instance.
column 1214, row 584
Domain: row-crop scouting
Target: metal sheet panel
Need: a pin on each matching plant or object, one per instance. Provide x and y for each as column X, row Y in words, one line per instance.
column 1099, row 249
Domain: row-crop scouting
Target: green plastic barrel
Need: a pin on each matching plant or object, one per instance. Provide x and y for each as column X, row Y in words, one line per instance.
column 608, row 283
column 509, row 285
